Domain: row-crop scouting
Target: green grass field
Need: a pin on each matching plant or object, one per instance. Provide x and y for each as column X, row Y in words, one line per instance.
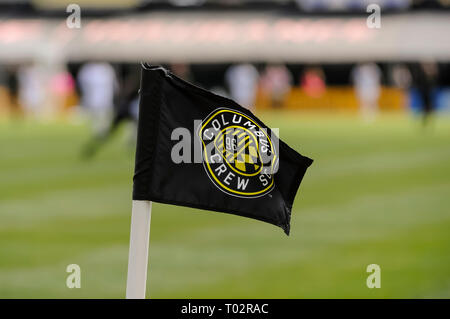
column 376, row 193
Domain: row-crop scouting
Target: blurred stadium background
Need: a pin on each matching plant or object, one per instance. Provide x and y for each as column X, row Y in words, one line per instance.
column 370, row 106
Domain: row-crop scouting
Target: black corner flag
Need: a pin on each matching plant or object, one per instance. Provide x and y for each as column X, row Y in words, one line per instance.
column 201, row 150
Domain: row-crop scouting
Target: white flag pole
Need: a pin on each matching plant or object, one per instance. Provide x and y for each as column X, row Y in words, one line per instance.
column 138, row 255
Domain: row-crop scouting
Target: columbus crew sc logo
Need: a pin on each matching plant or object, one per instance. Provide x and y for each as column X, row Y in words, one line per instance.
column 238, row 155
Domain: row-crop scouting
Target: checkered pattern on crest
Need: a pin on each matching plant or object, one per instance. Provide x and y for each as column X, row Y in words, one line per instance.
column 239, row 148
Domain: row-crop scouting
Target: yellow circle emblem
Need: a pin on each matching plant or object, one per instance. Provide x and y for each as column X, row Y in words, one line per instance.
column 238, row 154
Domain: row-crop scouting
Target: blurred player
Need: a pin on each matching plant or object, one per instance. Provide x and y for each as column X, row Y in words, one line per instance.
column 125, row 110
column 401, row 77
column 366, row 80
column 277, row 81
column 98, row 84
column 242, row 81
column 313, row 82
column 31, row 89
column 62, row 88
column 426, row 77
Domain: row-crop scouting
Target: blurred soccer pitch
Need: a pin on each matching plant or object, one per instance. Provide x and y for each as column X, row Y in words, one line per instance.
column 376, row 193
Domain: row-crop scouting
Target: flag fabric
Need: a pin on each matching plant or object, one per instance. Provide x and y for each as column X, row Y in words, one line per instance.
column 202, row 150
